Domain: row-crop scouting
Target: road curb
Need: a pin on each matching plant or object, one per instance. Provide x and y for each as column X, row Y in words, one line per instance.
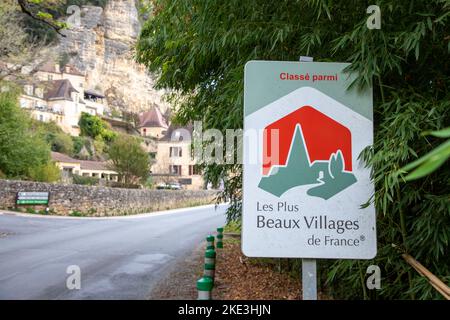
column 135, row 216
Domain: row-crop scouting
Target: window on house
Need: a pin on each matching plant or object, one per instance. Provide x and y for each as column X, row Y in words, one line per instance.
column 28, row 89
column 194, row 170
column 175, row 152
column 50, row 77
column 41, row 117
column 40, row 92
column 175, row 169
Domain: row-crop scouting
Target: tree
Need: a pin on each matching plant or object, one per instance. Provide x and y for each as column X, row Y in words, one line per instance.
column 91, row 126
column 48, row 172
column 17, row 48
column 432, row 160
column 95, row 127
column 201, row 56
column 20, row 149
column 58, row 140
column 40, row 11
column 129, row 160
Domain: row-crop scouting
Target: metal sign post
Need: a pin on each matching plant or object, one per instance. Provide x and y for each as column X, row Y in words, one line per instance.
column 309, row 266
column 309, row 279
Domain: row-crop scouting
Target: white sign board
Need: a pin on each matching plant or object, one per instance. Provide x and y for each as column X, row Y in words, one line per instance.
column 303, row 184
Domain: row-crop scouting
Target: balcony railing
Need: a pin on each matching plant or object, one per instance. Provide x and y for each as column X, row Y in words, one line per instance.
column 47, row 109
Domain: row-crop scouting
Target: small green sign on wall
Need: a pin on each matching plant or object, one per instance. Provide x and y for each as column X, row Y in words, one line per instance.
column 32, row 198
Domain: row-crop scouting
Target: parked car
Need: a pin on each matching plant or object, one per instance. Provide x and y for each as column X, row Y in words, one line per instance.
column 175, row 186
column 168, row 186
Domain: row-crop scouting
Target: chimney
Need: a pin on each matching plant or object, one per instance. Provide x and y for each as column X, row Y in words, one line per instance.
column 57, row 68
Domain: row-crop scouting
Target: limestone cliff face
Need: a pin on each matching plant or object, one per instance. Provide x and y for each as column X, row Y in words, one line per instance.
column 102, row 46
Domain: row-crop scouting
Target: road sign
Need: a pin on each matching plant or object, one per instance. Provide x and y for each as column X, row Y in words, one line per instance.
column 32, row 197
column 304, row 183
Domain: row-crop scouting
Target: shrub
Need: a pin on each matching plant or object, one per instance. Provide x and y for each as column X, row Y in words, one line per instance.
column 94, row 127
column 48, row 172
column 30, row 210
column 82, row 180
column 91, row 126
column 20, row 148
column 78, row 143
column 58, row 140
column 63, row 143
column 76, row 213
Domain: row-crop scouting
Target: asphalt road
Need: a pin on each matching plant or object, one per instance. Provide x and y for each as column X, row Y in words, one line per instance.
column 119, row 258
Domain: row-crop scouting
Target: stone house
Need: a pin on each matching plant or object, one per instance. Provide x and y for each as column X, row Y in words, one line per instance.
column 85, row 168
column 169, row 147
column 152, row 123
column 57, row 94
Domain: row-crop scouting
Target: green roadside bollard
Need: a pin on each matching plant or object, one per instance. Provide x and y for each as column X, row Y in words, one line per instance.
column 210, row 256
column 219, row 238
column 209, row 271
column 210, row 242
column 210, row 264
column 204, row 288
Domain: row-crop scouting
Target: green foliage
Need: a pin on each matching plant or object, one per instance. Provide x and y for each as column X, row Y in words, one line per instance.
column 51, row 11
column 202, row 56
column 48, row 172
column 99, row 146
column 30, row 210
column 78, row 144
column 87, row 181
column 432, row 160
column 63, row 143
column 58, row 140
column 95, row 127
column 234, row 226
column 128, row 159
column 149, row 183
column 77, row 213
column 91, row 126
column 20, row 149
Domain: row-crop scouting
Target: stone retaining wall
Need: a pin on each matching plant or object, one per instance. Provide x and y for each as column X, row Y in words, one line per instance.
column 66, row 199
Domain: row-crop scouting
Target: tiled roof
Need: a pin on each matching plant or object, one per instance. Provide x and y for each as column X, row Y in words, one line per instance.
column 84, row 164
column 152, row 119
column 93, row 92
column 60, row 157
column 57, row 89
column 94, row 165
column 178, row 133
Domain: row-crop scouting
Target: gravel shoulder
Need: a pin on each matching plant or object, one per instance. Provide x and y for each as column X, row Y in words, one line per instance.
column 180, row 283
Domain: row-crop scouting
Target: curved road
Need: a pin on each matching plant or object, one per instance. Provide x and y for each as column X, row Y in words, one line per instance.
column 119, row 257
